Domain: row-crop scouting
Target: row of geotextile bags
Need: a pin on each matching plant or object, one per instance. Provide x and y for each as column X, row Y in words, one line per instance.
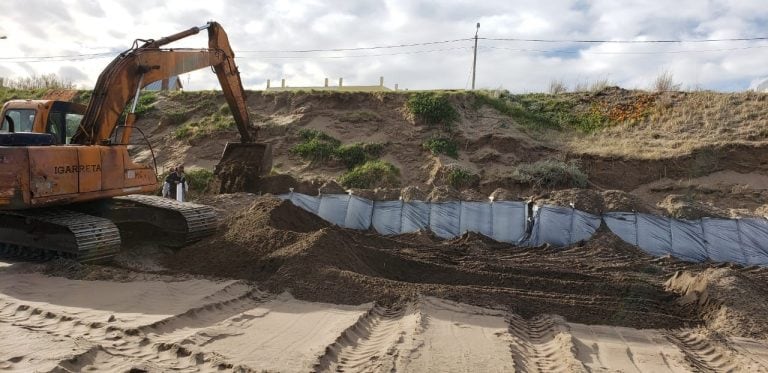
column 742, row 241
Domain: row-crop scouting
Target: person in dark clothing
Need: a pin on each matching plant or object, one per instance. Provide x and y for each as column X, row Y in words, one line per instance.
column 171, row 181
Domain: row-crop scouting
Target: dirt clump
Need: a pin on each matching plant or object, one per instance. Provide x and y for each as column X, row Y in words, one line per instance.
column 473, row 195
column 730, row 300
column 332, row 187
column 236, row 176
column 368, row 194
column 443, row 193
column 620, row 201
column 586, row 200
column 412, row 193
column 595, row 202
column 386, row 194
column 762, row 211
column 681, row 207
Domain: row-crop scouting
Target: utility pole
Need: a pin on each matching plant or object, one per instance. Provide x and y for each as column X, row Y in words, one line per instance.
column 474, row 60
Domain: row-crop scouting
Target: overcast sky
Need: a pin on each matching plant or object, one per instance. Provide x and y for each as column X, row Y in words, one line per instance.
column 37, row 28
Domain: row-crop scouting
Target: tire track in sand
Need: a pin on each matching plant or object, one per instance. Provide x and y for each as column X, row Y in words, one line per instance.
column 542, row 344
column 150, row 347
column 711, row 353
column 374, row 342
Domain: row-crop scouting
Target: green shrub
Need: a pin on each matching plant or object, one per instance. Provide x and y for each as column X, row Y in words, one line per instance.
column 183, row 132
column 500, row 104
column 433, row 109
column 203, row 127
column 356, row 154
column 310, row 134
column 315, row 150
column 224, row 109
column 199, row 179
column 460, row 178
column 442, row 145
column 550, row 174
column 174, row 117
column 145, row 104
column 7, row 94
column 316, row 146
column 371, row 174
column 82, row 97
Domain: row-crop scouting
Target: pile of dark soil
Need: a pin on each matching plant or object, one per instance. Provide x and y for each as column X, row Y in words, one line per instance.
column 731, row 300
column 285, row 248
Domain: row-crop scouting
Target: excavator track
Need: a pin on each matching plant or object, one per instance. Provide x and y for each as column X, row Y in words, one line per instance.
column 176, row 223
column 48, row 233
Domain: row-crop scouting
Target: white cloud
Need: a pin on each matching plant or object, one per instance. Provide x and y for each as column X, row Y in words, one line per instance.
column 73, row 27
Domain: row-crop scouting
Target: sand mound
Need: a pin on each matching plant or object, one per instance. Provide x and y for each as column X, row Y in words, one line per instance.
column 595, row 202
column 683, row 207
column 286, row 248
column 729, row 300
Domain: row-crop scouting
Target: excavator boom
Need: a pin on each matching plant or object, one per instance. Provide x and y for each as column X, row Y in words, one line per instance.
column 138, row 67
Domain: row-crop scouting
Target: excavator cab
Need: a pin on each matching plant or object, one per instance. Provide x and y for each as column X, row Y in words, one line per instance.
column 28, row 121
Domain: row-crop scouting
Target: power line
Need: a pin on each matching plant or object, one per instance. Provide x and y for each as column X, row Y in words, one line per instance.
column 626, row 41
column 620, row 53
column 357, row 48
column 356, row 55
column 85, row 55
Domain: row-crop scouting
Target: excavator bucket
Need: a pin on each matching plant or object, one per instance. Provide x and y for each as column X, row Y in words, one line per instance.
column 241, row 166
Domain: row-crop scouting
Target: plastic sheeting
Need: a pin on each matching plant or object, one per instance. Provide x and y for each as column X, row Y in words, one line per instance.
column 503, row 221
column 562, row 226
column 476, row 217
column 309, row 203
column 445, row 219
column 508, row 221
column 743, row 241
column 359, row 213
column 333, row 208
column 387, row 217
column 415, row 216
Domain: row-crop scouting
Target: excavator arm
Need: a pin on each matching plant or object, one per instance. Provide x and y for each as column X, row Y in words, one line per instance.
column 122, row 80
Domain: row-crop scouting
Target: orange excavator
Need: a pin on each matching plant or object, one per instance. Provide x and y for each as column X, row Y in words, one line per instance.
column 68, row 186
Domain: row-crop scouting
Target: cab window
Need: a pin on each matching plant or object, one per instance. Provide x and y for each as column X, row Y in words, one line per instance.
column 72, row 122
column 23, row 120
column 63, row 125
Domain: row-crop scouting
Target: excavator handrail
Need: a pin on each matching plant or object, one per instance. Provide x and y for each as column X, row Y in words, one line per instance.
column 149, row 144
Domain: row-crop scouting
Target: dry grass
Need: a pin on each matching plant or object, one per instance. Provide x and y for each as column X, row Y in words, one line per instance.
column 665, row 82
column 678, row 123
column 557, row 87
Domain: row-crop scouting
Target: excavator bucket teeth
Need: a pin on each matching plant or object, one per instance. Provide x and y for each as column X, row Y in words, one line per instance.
column 241, row 166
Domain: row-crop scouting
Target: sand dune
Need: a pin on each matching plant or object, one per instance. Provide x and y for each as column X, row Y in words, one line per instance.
column 62, row 325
